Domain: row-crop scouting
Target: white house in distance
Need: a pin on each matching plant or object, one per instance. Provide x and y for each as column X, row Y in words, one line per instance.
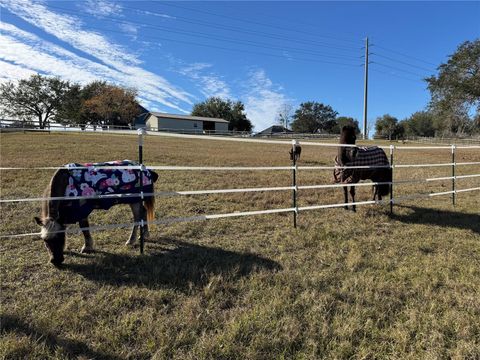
column 156, row 121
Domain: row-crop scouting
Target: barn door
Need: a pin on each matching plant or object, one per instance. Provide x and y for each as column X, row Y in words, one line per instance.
column 209, row 126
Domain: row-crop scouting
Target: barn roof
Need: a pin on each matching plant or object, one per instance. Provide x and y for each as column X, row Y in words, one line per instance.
column 186, row 117
column 275, row 129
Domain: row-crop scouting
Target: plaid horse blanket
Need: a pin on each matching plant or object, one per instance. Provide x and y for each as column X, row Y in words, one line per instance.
column 361, row 156
column 91, row 179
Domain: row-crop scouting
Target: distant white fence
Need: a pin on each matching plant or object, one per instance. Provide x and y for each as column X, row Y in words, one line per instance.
column 7, row 125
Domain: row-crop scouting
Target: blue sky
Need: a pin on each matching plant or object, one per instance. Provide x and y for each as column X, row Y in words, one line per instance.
column 265, row 54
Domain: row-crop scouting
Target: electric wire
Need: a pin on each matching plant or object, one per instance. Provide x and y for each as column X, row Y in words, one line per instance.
column 217, row 26
column 403, row 54
column 395, row 75
column 223, row 16
column 402, row 62
column 284, row 57
column 398, row 69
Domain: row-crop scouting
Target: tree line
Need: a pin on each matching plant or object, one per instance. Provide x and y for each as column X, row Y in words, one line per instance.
column 454, row 108
column 51, row 99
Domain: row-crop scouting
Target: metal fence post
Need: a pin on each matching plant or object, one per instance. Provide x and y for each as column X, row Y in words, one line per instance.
column 140, row 133
column 391, row 185
column 294, row 182
column 453, row 175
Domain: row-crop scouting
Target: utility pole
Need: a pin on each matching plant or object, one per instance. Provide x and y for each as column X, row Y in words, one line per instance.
column 365, row 96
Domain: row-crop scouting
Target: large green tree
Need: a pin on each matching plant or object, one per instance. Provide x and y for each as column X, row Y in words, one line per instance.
column 233, row 112
column 421, row 123
column 313, row 117
column 455, row 91
column 109, row 104
column 39, row 98
column 387, row 126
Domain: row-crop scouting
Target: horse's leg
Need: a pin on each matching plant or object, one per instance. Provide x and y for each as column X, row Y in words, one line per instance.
column 345, row 193
column 352, row 193
column 139, row 213
column 136, row 218
column 88, row 246
column 146, row 233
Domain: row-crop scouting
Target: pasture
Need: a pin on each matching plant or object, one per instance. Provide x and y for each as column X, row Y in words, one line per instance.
column 342, row 285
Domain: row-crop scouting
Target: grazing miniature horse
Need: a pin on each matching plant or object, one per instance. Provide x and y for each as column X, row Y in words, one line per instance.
column 90, row 180
column 296, row 153
column 358, row 156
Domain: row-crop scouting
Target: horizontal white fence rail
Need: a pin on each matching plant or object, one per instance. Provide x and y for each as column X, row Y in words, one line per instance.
column 238, row 168
column 227, row 191
column 167, row 221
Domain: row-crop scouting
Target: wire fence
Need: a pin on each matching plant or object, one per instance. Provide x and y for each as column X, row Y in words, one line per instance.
column 294, row 188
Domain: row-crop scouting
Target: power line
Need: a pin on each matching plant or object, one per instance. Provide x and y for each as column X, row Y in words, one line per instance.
column 228, row 39
column 255, row 22
column 403, row 54
column 246, row 42
column 228, row 28
column 398, row 69
column 391, row 74
column 402, row 62
column 228, row 49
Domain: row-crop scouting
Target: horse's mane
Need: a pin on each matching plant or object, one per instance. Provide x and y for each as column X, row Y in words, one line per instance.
column 56, row 188
column 347, row 136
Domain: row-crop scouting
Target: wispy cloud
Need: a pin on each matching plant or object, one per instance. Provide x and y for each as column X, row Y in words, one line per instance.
column 262, row 99
column 130, row 30
column 149, row 13
column 208, row 83
column 10, row 72
column 101, row 8
column 95, row 56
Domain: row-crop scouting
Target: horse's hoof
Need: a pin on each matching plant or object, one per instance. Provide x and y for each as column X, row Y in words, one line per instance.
column 87, row 250
column 130, row 244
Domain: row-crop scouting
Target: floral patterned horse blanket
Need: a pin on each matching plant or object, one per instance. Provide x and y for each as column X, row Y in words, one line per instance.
column 92, row 179
column 361, row 156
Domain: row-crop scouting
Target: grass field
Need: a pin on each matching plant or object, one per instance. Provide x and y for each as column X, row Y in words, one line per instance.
column 342, row 285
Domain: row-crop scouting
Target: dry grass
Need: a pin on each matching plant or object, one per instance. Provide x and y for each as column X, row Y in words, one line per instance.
column 343, row 285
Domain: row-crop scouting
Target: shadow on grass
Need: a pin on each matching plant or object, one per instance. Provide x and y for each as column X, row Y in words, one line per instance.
column 442, row 218
column 170, row 262
column 72, row 348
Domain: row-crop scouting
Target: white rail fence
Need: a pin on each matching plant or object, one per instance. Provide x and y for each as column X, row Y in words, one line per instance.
column 294, row 188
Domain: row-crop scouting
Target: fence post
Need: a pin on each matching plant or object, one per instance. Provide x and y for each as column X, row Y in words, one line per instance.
column 294, row 182
column 453, row 175
column 391, row 185
column 140, row 133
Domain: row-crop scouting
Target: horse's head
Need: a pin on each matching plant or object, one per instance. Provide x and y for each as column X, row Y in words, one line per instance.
column 154, row 175
column 348, row 135
column 53, row 235
column 295, row 153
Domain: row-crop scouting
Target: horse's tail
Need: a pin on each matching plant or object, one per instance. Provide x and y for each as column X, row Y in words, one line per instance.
column 384, row 189
column 150, row 200
column 150, row 206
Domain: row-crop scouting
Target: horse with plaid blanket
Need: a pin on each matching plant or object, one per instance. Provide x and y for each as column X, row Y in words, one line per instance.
column 373, row 158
